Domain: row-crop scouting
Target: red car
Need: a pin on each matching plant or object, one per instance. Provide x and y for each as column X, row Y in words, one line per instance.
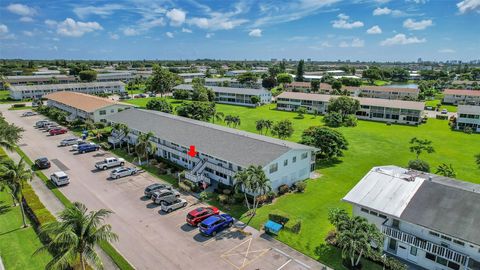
column 196, row 216
column 57, row 131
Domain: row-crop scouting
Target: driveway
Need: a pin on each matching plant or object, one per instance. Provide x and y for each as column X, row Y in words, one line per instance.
column 148, row 238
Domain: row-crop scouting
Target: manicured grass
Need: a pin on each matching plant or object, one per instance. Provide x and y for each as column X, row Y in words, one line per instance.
column 4, row 94
column 371, row 144
column 380, row 83
column 433, row 103
column 20, row 108
column 17, row 244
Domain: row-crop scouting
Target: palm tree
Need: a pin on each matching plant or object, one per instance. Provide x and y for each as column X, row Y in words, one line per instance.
column 236, row 121
column 218, row 116
column 446, row 170
column 259, row 182
column 10, row 134
column 72, row 239
column 228, row 120
column 144, row 147
column 242, row 183
column 89, row 125
column 477, row 160
column 14, row 176
column 260, row 125
column 267, row 125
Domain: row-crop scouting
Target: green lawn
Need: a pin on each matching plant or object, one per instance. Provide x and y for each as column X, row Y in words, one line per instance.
column 433, row 103
column 371, row 144
column 17, row 244
column 20, row 108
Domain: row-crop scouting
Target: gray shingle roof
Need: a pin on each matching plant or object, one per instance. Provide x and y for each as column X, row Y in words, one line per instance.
column 239, row 147
column 65, row 87
column 231, row 90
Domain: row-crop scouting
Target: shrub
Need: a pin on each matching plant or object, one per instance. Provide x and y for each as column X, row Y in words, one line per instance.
column 441, row 117
column 468, row 130
column 100, row 125
column 278, row 217
column 419, row 165
column 154, row 162
column 183, row 187
column 19, row 105
column 239, row 197
column 105, row 146
column 203, row 196
column 294, row 226
column 261, row 199
column 181, row 94
column 227, row 191
column 301, row 186
column 223, row 199
column 283, row 189
column 350, row 120
column 333, row 119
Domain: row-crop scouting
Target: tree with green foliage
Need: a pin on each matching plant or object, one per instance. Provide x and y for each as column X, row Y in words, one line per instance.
column 284, row 78
column 333, row 119
column 218, row 116
column 300, row 112
column 300, row 71
column 337, row 86
column 372, row 73
column 283, row 129
column 10, row 134
column 87, row 75
column 269, row 82
column 72, row 239
column 252, row 180
column 343, row 105
column 247, row 78
column 477, row 160
column 255, row 100
column 162, row 81
column 159, row 104
column 355, row 235
column 315, row 86
column 181, row 94
column 419, row 165
column 330, row 142
column 144, row 147
column 197, row 110
column 14, row 176
column 446, row 170
column 418, row 146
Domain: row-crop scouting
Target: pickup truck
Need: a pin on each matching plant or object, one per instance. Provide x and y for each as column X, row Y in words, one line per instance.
column 109, row 162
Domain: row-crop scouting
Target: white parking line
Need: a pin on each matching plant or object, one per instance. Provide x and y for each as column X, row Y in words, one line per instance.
column 288, row 256
column 285, row 264
column 216, row 237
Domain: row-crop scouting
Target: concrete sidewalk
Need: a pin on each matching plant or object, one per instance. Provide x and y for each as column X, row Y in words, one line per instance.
column 55, row 206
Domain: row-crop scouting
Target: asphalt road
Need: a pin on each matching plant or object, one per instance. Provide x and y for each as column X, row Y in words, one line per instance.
column 150, row 239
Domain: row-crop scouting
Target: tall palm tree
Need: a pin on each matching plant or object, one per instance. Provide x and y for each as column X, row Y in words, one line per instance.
column 14, row 176
column 228, row 120
column 446, row 170
column 72, row 239
column 10, row 134
column 236, row 121
column 126, row 130
column 144, row 147
column 268, row 124
column 242, row 183
column 218, row 116
column 260, row 125
column 260, row 184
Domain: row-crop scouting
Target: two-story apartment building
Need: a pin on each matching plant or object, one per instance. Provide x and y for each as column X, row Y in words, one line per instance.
column 401, row 93
column 221, row 151
column 191, row 76
column 83, row 106
column 375, row 109
column 20, row 92
column 428, row 220
column 235, row 96
column 39, row 79
column 461, row 96
column 468, row 116
column 115, row 76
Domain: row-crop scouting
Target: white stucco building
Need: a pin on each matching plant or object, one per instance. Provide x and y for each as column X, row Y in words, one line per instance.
column 468, row 116
column 428, row 220
column 461, row 96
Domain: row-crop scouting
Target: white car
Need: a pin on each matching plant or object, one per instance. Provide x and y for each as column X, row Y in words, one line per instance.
column 122, row 172
column 25, row 114
column 70, row 141
column 174, row 205
column 444, row 111
column 60, row 178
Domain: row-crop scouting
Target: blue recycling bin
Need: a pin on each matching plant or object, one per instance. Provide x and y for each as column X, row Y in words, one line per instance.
column 272, row 227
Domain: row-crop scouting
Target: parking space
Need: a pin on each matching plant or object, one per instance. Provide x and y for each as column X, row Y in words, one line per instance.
column 149, row 238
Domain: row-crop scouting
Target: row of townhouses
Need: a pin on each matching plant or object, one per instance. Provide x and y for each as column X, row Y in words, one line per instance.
column 221, row 151
column 468, row 116
column 359, row 91
column 376, row 109
column 461, row 96
column 235, row 96
column 20, row 92
column 428, row 220
column 229, row 82
column 83, row 106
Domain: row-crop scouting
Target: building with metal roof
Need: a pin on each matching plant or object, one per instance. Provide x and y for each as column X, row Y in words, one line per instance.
column 427, row 219
column 222, row 151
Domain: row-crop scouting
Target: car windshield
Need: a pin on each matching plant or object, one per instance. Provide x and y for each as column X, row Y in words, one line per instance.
column 44, row 159
column 189, row 216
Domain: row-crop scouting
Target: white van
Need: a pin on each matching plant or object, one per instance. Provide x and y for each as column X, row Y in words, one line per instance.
column 60, row 178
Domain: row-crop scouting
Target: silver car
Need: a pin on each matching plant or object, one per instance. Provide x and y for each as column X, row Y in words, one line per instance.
column 165, row 195
column 70, row 141
column 122, row 172
column 173, row 205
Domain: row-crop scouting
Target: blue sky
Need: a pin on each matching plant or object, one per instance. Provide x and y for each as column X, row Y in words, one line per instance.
column 379, row 30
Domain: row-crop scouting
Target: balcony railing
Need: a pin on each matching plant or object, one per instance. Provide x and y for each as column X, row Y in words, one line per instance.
column 425, row 245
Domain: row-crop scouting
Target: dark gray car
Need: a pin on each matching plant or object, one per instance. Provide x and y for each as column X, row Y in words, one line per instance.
column 154, row 187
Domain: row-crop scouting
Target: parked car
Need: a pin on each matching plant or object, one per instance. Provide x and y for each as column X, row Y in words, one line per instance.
column 444, row 111
column 58, row 131
column 60, row 178
column 199, row 214
column 42, row 163
column 214, row 224
column 152, row 94
column 82, row 142
column 124, row 97
column 49, row 125
column 41, row 123
column 122, row 172
column 141, row 96
column 70, row 141
column 154, row 187
column 26, row 114
column 174, row 205
column 89, row 147
column 110, row 162
column 165, row 195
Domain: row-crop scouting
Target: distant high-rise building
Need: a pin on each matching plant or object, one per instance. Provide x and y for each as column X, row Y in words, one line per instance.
column 419, row 60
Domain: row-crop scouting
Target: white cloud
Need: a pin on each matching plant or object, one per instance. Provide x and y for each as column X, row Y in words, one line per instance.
column 354, row 43
column 176, row 16
column 169, row 34
column 28, row 33
column 401, row 39
column 418, row 1
column 417, row 25
column 71, row 28
column 114, row 36
column 26, row 19
column 468, row 5
column 209, row 35
column 186, row 30
column 102, row 11
column 129, row 31
column 22, row 10
column 255, row 32
column 381, row 11
column 374, row 30
column 446, row 51
column 382, row 1
column 224, row 20
column 343, row 22
column 5, row 33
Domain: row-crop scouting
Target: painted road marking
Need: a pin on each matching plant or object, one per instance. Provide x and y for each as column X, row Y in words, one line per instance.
column 285, row 264
column 230, row 253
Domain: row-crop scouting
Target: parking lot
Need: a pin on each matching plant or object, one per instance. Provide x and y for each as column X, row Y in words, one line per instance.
column 149, row 238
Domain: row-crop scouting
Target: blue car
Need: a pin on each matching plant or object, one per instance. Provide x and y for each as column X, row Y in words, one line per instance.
column 214, row 224
column 83, row 148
